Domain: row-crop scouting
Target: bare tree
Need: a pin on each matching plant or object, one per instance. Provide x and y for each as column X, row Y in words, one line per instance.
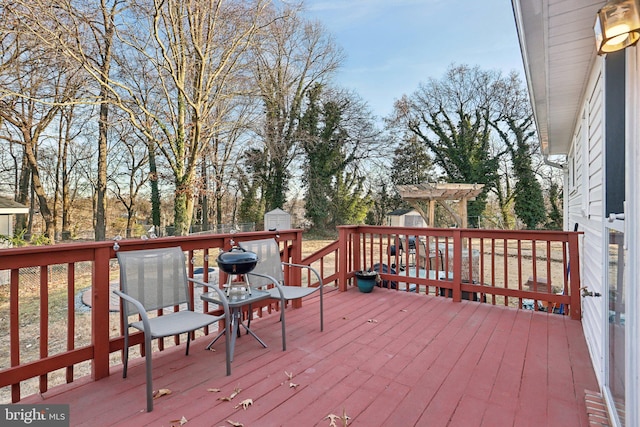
column 194, row 51
column 225, row 150
column 36, row 87
column 80, row 33
column 131, row 175
column 71, row 152
column 103, row 31
column 294, row 56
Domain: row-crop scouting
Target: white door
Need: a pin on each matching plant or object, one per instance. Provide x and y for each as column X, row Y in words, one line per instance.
column 615, row 331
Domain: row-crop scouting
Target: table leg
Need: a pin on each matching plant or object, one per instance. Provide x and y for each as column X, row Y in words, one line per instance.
column 236, row 321
column 221, row 333
column 249, row 331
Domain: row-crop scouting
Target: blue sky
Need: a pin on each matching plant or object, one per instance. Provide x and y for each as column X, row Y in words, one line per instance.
column 393, row 45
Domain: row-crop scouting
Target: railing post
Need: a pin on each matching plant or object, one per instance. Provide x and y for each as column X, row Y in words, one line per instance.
column 343, row 254
column 574, row 277
column 100, row 313
column 457, row 265
column 296, row 256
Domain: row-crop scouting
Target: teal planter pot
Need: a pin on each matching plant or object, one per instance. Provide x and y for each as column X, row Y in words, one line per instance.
column 366, row 280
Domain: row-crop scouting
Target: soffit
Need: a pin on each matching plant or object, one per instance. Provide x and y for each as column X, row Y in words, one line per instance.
column 558, row 48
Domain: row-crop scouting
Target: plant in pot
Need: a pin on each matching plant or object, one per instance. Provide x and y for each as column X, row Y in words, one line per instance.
column 366, row 280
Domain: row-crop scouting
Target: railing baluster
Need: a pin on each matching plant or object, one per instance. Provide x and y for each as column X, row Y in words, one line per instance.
column 71, row 315
column 44, row 321
column 519, row 271
column 14, row 329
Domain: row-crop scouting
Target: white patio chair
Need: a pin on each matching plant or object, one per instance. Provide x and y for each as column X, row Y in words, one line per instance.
column 269, row 271
column 153, row 279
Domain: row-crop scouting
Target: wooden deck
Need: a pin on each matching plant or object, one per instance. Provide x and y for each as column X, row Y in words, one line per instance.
column 386, row 358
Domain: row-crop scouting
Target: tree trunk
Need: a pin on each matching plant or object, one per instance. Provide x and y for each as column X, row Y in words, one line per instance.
column 204, row 204
column 101, row 185
column 23, row 191
column 155, row 193
column 183, row 205
column 45, row 211
column 66, row 199
column 103, row 124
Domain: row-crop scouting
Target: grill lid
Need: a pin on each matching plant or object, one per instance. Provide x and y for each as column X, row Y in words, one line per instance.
column 237, row 261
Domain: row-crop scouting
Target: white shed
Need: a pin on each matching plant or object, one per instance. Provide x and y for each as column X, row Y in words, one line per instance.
column 405, row 218
column 277, row 219
column 9, row 208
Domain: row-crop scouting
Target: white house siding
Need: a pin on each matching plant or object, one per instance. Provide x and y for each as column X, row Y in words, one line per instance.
column 585, row 207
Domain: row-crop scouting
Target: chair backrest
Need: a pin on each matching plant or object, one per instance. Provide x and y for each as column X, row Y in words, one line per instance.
column 155, row 277
column 269, row 261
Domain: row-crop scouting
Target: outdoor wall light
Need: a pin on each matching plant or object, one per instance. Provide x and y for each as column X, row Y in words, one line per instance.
column 617, row 25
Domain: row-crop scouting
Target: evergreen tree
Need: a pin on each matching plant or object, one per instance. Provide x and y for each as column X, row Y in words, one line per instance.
column 321, row 143
column 383, row 203
column 332, row 136
column 529, row 202
column 528, row 198
column 348, row 205
column 411, row 163
column 250, row 209
column 554, row 219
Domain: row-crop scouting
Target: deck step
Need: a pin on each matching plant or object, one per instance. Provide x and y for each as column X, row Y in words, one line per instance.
column 596, row 409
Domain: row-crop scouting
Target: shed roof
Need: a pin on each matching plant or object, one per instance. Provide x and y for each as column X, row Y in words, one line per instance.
column 8, row 207
column 277, row 211
column 400, row 211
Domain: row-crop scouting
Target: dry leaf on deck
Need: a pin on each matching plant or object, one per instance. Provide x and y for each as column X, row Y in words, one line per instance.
column 236, row 391
column 333, row 418
column 289, row 375
column 235, row 423
column 344, row 419
column 245, row 404
column 182, row 421
column 293, row 385
column 404, row 310
column 372, row 321
column 214, row 390
column 161, row 392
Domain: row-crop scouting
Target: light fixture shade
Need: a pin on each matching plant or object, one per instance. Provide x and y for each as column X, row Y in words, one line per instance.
column 617, row 25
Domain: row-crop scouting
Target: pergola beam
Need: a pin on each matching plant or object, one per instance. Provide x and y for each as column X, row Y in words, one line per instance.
column 417, row 194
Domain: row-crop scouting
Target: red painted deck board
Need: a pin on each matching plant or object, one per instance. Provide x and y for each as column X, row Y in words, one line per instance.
column 386, row 358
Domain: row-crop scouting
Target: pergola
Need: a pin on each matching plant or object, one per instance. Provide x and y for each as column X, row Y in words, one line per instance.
column 417, row 194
